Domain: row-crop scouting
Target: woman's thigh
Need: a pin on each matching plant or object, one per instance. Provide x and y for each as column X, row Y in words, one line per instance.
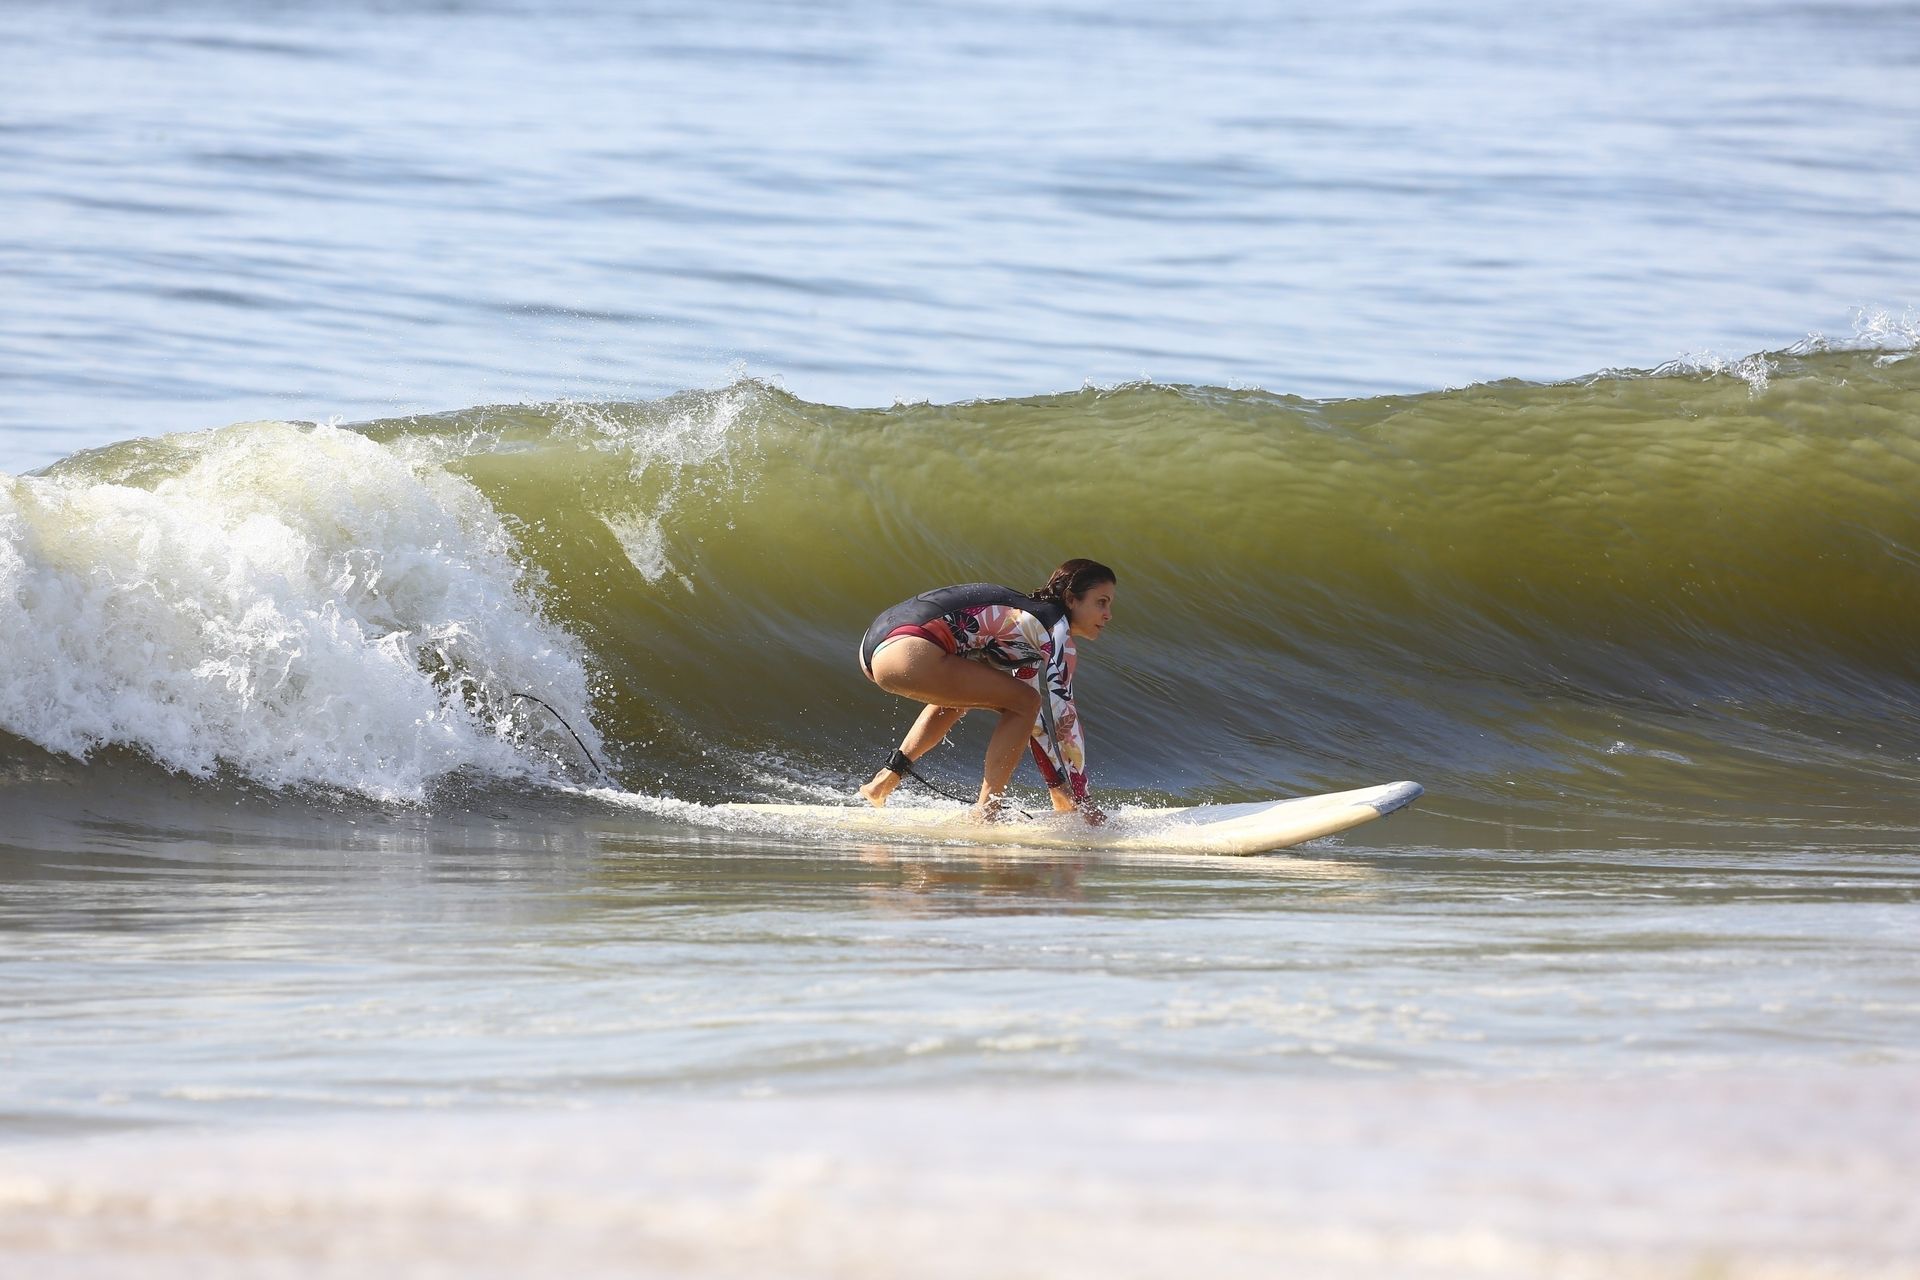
column 921, row 670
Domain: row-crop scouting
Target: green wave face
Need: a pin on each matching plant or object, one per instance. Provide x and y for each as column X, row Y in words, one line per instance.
column 1684, row 586
column 1555, row 585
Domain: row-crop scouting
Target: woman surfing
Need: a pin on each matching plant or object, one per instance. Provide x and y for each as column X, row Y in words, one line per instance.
column 982, row 646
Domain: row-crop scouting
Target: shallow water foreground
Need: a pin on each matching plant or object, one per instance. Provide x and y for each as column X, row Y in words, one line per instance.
column 1751, row 1176
column 549, row 1035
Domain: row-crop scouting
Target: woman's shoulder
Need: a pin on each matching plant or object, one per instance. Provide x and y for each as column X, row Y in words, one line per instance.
column 983, row 595
column 1049, row 612
column 971, row 595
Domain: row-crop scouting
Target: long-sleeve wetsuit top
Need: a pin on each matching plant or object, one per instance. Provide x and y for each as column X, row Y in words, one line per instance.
column 1027, row 638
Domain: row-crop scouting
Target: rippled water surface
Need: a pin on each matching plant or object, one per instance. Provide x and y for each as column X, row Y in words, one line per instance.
column 225, row 211
column 177, row 964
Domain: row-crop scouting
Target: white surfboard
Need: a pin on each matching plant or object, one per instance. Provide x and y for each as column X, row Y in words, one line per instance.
column 1258, row 827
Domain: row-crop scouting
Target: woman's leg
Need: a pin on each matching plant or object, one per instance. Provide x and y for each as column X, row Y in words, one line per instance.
column 928, row 730
column 922, row 670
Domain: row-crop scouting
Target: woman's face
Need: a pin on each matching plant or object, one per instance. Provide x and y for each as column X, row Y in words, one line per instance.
column 1089, row 614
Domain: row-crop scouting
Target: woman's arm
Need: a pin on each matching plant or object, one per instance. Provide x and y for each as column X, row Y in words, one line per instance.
column 1059, row 745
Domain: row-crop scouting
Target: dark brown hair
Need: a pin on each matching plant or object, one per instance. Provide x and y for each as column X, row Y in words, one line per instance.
column 1075, row 577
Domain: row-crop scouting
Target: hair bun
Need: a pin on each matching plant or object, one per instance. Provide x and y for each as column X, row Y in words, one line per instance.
column 1074, row 577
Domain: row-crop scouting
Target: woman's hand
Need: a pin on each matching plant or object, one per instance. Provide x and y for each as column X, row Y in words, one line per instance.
column 1063, row 802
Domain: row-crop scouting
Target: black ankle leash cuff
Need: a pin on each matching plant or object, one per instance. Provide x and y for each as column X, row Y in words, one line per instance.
column 899, row 762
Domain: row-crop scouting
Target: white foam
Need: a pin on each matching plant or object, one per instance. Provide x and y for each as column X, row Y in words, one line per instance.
column 688, row 453
column 297, row 603
column 1874, row 329
column 1877, row 329
column 1755, row 370
column 645, row 544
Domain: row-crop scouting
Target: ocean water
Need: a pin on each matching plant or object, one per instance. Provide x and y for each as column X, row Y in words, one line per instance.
column 216, row 212
column 447, row 449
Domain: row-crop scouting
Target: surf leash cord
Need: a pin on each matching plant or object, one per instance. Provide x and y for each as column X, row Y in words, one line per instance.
column 901, row 763
column 604, row 775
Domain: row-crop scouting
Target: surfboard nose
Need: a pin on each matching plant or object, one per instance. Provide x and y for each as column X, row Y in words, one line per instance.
column 1398, row 796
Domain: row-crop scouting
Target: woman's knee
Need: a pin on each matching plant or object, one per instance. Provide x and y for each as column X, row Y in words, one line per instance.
column 1022, row 699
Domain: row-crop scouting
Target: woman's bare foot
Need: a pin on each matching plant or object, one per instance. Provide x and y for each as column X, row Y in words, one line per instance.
column 876, row 792
column 990, row 809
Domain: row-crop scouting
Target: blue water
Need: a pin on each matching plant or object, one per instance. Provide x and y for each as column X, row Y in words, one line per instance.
column 212, row 212
column 219, row 211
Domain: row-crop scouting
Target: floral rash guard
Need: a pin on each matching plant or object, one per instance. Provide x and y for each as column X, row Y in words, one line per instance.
column 1028, row 639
